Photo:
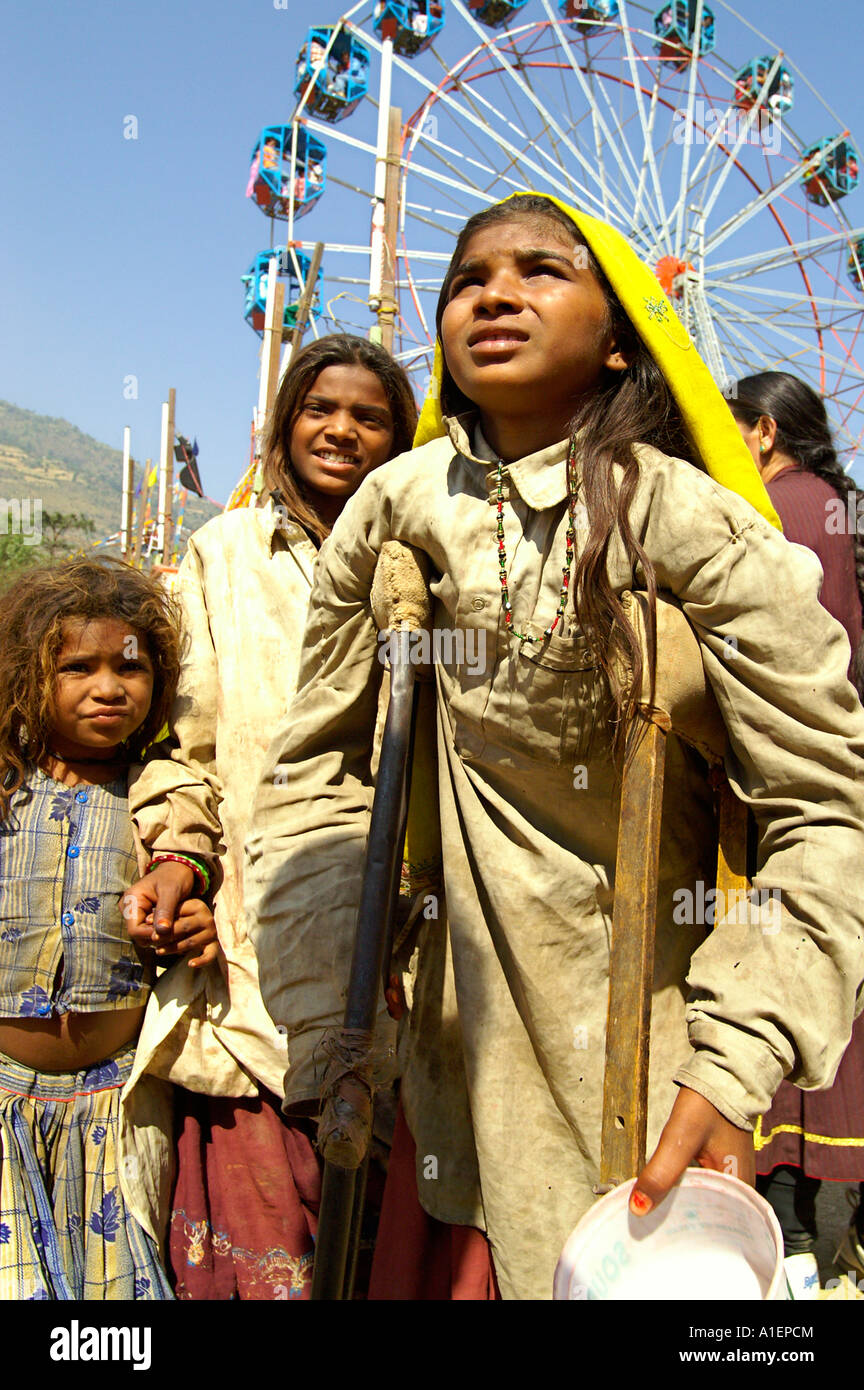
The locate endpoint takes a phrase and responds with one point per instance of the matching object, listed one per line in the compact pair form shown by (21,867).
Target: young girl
(583,451)
(89,655)
(244,1207)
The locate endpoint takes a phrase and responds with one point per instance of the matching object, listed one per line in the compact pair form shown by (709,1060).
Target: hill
(70,471)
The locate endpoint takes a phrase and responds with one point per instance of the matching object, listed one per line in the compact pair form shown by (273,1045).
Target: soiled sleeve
(175,799)
(306,847)
(776,995)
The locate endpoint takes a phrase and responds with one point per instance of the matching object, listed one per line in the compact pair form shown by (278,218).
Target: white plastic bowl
(712,1238)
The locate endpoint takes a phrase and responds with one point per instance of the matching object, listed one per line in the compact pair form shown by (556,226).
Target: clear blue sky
(122,257)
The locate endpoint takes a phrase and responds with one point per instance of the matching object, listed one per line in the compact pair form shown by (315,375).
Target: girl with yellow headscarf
(573,446)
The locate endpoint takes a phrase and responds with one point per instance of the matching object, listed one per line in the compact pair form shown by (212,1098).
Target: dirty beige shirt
(504,1053)
(244,586)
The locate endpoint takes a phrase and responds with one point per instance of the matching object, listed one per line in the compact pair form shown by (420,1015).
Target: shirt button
(73,851)
(67,919)
(43,1009)
(478,604)
(81,796)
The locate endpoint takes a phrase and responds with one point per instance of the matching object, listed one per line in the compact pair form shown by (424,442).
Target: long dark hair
(626,408)
(33,612)
(336,350)
(803,432)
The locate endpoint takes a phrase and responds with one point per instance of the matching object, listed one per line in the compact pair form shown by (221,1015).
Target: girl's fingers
(695,1131)
(190,941)
(210,952)
(173,883)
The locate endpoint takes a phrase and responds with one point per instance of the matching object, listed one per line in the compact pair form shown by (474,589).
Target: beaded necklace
(572,487)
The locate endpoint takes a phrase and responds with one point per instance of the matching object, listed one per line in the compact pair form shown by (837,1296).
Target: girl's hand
(156,898)
(195,930)
(695,1133)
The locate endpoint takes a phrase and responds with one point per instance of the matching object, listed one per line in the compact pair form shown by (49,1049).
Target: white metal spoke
(688,144)
(543,112)
(648,150)
(785,255)
(600,125)
(786,296)
(763,200)
(807,345)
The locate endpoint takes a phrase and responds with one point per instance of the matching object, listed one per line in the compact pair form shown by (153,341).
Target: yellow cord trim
(761,1141)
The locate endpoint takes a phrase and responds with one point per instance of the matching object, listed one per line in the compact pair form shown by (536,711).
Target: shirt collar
(540,478)
(273,519)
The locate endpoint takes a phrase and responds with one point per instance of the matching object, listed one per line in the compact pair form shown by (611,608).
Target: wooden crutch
(683,704)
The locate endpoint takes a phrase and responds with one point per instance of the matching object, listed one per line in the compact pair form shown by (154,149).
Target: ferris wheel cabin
(752,78)
(834,172)
(256,280)
(855,263)
(337,82)
(270,172)
(675,30)
(587,18)
(412,26)
(496,13)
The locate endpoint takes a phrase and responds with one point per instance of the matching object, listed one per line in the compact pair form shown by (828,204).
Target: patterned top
(66,856)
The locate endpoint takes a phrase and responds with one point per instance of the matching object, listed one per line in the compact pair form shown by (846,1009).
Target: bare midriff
(69,1042)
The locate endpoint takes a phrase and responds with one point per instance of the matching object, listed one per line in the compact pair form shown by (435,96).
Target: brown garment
(417,1257)
(821,1132)
(245,1208)
(814,515)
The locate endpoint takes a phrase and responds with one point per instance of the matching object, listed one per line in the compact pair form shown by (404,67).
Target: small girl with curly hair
(89,659)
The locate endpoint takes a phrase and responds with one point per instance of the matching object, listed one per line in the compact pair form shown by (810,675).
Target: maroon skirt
(821,1132)
(245,1205)
(416,1257)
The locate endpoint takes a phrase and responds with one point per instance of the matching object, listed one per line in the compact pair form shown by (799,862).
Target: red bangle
(201,875)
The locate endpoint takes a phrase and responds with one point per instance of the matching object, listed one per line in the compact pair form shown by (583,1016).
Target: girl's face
(343,431)
(526,326)
(104,685)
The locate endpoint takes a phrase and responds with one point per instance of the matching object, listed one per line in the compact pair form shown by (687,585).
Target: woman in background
(810,1135)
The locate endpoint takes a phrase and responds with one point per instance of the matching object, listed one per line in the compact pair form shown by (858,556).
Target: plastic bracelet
(199,870)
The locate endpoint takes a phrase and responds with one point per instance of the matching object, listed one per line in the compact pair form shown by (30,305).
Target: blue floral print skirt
(64,1230)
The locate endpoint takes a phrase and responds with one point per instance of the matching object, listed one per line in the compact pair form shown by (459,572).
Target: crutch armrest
(683,699)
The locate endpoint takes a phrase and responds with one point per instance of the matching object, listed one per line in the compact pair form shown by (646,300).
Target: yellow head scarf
(706,414)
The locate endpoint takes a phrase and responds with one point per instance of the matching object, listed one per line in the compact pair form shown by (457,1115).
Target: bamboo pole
(271,340)
(388,306)
(142,512)
(305,302)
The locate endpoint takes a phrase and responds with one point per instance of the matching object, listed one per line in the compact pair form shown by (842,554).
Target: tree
(55,544)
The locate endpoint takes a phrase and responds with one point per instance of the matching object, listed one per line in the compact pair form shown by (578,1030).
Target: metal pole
(377,245)
(126,502)
(343,1187)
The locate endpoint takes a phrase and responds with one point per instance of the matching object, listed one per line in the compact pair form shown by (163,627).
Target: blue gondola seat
(855,263)
(832,174)
(496,13)
(411,24)
(589,19)
(337,82)
(256,278)
(750,80)
(675,31)
(270,172)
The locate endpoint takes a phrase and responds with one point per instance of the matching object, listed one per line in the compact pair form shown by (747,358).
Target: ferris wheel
(684,126)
